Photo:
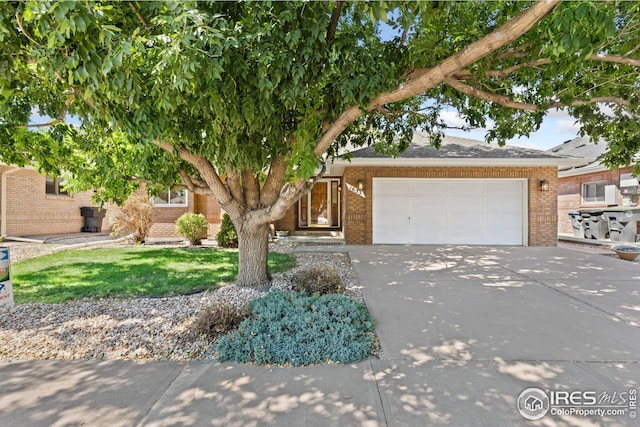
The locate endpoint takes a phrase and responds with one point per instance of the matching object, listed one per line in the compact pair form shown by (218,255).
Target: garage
(449,211)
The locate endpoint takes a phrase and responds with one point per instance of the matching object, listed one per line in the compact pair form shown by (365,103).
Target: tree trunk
(253,249)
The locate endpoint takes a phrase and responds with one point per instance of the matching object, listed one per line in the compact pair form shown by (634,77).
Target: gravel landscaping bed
(140,328)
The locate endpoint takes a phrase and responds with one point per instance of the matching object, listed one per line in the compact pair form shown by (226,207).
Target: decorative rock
(138,328)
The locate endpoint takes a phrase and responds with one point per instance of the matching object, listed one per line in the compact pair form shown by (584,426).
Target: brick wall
(290,221)
(543,205)
(570,194)
(30,211)
(165,217)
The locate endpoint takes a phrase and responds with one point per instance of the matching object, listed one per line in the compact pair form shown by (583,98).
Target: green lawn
(128,272)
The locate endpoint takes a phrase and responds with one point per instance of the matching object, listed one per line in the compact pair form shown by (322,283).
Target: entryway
(320,208)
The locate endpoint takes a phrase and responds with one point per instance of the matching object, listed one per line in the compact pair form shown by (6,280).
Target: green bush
(219,318)
(193,226)
(227,237)
(295,328)
(322,279)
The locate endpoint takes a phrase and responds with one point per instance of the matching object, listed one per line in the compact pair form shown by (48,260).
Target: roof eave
(558,162)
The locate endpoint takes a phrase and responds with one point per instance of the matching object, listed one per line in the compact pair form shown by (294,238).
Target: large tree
(246,100)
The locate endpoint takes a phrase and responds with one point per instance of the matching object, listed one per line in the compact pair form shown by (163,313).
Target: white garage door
(449,211)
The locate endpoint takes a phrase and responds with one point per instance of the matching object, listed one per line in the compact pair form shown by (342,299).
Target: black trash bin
(92,218)
(623,223)
(576,223)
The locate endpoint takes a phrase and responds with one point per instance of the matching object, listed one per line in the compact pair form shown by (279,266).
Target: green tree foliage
(245,100)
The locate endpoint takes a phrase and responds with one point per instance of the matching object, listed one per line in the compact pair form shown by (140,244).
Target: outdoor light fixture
(544,185)
(360,184)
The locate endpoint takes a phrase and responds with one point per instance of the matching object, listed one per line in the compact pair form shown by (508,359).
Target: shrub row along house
(467,192)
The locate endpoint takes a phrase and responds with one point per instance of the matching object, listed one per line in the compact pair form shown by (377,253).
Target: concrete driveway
(464,330)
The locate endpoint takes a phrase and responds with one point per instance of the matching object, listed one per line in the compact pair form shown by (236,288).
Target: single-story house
(591,185)
(32,204)
(466,192)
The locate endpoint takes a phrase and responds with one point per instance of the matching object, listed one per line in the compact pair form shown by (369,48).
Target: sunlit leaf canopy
(243,84)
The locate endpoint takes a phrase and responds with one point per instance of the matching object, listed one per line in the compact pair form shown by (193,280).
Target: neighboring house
(591,185)
(467,192)
(173,203)
(32,204)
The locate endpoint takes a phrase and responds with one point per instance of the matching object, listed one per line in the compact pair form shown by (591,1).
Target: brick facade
(357,212)
(570,194)
(290,221)
(542,215)
(30,211)
(164,220)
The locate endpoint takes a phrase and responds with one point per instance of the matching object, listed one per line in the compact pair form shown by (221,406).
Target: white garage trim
(482,211)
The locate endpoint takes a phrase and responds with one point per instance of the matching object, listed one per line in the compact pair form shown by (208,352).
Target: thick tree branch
(403,37)
(275,179)
(503,100)
(506,101)
(208,172)
(477,50)
(507,33)
(251,188)
(465,75)
(289,194)
(133,6)
(233,183)
(192,185)
(333,24)
(23,31)
(598,100)
(615,58)
(337,127)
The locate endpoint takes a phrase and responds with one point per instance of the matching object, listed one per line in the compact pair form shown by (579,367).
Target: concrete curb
(88,244)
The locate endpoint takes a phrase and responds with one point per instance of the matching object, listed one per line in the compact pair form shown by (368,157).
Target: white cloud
(451,118)
(568,126)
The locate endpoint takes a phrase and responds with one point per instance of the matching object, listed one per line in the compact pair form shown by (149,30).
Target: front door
(320,208)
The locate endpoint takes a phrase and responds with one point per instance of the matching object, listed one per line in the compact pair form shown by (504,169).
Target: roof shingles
(459,148)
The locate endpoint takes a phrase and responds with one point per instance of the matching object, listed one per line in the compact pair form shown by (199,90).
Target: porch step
(313,240)
(318,233)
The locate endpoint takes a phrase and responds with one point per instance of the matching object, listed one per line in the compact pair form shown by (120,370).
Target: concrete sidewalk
(464,331)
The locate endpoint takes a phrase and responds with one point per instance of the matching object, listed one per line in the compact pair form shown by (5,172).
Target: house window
(54,186)
(593,192)
(171,199)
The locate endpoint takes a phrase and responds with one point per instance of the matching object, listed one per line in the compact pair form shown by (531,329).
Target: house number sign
(355,190)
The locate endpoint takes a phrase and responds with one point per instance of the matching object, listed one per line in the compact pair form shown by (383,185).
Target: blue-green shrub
(298,329)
